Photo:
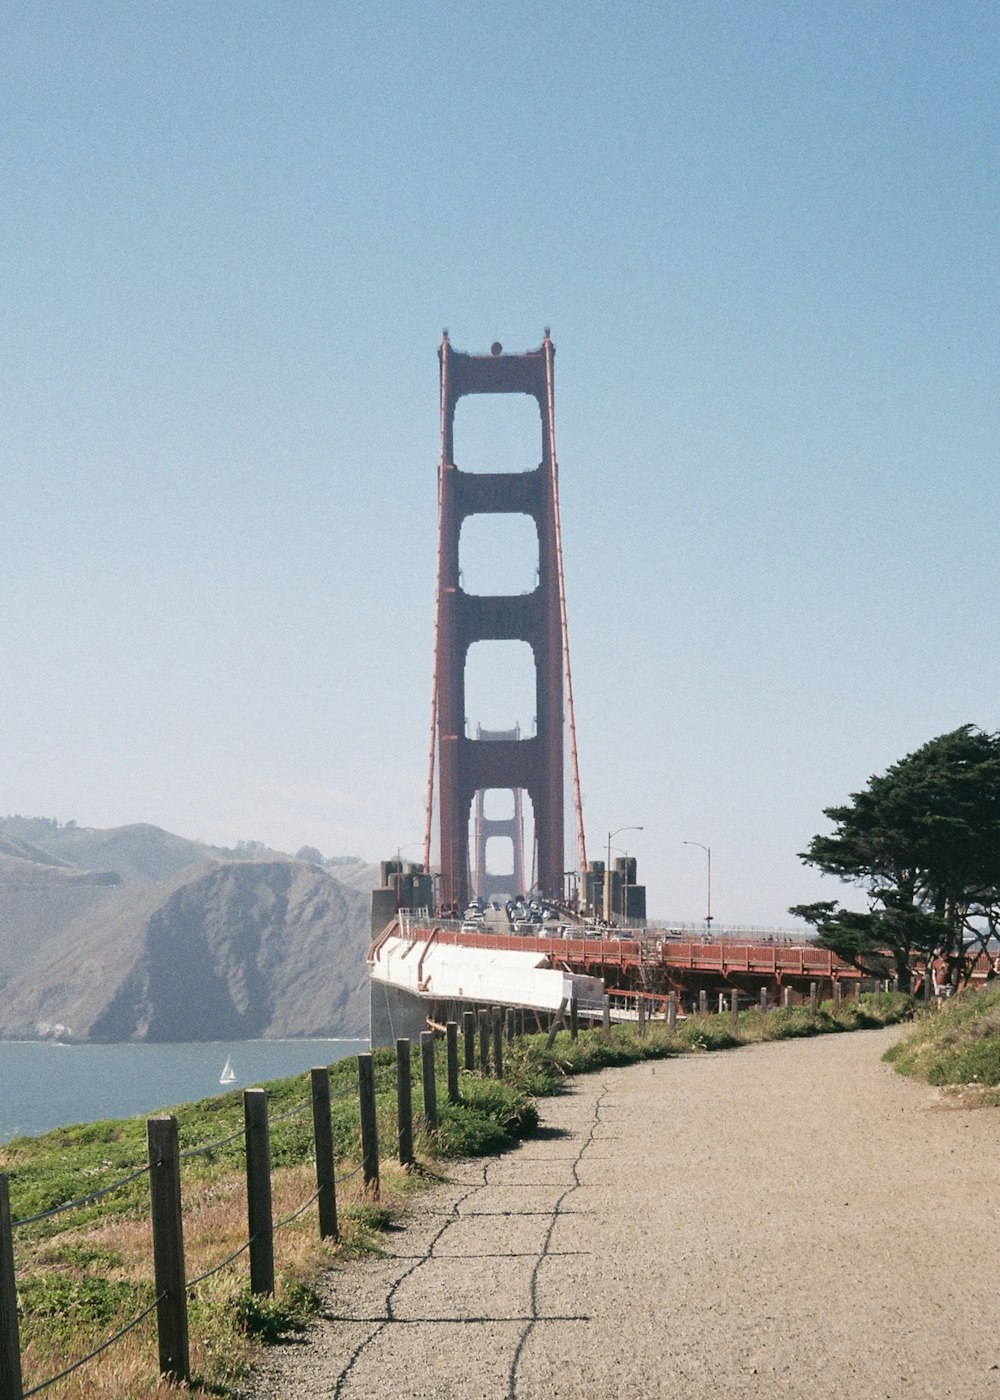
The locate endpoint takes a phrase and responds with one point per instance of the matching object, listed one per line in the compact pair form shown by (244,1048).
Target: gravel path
(785,1220)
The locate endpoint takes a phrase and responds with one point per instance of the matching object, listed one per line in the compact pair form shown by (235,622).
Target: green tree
(923,841)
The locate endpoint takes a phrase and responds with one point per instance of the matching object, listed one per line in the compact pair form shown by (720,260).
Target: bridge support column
(467,766)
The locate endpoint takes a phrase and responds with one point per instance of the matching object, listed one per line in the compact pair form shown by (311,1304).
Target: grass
(956,1046)
(84,1274)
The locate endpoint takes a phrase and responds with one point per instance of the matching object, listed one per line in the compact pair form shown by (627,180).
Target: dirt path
(790,1219)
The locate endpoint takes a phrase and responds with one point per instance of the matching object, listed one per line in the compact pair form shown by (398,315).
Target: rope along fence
(163,1167)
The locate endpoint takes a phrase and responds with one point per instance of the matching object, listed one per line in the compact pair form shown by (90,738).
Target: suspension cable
(554,469)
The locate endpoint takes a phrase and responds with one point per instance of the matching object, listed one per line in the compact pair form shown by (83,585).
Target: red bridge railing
(652,950)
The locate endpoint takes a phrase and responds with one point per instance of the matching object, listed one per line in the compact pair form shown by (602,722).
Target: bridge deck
(653,952)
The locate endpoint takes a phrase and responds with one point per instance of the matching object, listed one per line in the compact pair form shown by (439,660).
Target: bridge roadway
(658,962)
(788,1220)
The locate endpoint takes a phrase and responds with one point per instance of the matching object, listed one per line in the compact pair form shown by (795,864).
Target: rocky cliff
(169,942)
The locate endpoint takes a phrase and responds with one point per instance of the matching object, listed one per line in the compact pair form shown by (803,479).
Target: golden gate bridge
(455,933)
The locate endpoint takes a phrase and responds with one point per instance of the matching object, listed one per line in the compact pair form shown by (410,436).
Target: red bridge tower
(468,766)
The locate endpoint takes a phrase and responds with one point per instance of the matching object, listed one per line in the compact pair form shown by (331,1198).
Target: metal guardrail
(413,922)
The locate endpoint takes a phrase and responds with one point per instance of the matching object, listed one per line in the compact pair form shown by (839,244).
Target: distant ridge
(133,933)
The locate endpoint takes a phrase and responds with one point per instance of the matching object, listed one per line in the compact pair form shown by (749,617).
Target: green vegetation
(923,841)
(85,1273)
(270,1319)
(56,1304)
(957,1045)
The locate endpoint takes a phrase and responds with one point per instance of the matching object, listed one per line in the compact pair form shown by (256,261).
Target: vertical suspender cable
(553,467)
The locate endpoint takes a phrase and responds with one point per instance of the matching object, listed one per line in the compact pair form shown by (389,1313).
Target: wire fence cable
(294,1215)
(217,1268)
(81,1200)
(122,1331)
(209,1146)
(290,1112)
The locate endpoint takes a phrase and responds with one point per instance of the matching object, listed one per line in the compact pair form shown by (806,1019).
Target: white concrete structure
(408,976)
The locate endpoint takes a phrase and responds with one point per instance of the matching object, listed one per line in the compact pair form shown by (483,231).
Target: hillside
(136,934)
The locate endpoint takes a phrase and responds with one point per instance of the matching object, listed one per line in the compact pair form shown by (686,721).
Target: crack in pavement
(528,1320)
(557,1212)
(359,1350)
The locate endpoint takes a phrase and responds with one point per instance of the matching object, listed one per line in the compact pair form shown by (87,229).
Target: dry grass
(119,1251)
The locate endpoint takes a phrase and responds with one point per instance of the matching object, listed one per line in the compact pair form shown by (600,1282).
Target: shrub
(492,1114)
(959,1044)
(60,1306)
(270,1319)
(707,1033)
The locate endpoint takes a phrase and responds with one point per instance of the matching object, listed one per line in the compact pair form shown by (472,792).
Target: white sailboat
(228,1075)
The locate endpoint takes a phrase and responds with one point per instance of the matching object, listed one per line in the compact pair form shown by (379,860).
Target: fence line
(165,1157)
(172,1286)
(163,1169)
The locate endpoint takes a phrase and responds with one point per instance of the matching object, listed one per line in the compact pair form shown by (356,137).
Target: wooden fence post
(574,1018)
(10,1342)
(259,1219)
(451,1035)
(404,1103)
(168,1247)
(857,992)
(326,1181)
(497,1019)
(510,1023)
(640,1011)
(836,995)
(369,1122)
(469,1035)
(484,1043)
(722,1002)
(672,1011)
(607,1017)
(703,1002)
(788,998)
(428,1078)
(763,999)
(813,997)
(558,1020)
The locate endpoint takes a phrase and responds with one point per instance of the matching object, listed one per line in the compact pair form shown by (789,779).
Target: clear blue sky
(765,238)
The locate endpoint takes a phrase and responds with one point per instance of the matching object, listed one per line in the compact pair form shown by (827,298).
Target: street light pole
(708,852)
(607,870)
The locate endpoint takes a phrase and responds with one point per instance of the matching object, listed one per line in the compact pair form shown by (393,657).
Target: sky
(765,239)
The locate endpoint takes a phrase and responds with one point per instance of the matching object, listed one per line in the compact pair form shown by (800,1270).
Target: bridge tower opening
(469,767)
(493,830)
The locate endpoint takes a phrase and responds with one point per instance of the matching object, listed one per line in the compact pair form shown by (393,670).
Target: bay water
(45,1085)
